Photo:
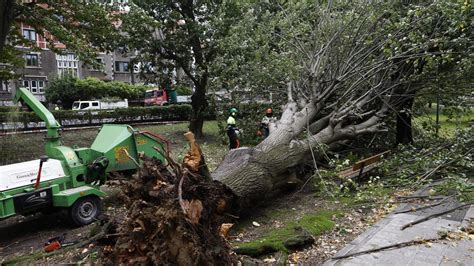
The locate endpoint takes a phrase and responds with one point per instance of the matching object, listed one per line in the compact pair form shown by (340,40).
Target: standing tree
(356,66)
(171,35)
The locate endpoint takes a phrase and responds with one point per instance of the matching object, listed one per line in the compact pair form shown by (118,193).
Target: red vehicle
(156,97)
(164,97)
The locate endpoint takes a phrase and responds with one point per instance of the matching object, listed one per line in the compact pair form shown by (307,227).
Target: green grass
(314,223)
(24,147)
(448,126)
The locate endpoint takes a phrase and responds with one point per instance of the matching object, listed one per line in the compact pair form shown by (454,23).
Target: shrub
(69,89)
(65,90)
(183,90)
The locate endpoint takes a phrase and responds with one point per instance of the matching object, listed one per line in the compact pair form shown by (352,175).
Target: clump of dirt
(174,218)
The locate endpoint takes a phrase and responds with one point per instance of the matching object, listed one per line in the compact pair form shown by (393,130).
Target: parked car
(99,105)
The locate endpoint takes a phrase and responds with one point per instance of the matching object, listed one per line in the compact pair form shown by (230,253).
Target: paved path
(387,232)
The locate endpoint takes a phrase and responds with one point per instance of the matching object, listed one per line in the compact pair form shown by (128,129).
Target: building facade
(43,65)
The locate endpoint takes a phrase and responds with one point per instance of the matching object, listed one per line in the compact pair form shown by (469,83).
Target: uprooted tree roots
(174,217)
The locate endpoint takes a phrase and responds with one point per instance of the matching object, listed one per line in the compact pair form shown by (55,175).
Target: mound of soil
(174,218)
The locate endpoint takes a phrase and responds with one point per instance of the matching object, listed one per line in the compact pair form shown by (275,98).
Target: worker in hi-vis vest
(232,130)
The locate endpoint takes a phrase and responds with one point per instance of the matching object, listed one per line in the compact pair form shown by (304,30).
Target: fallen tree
(348,87)
(357,72)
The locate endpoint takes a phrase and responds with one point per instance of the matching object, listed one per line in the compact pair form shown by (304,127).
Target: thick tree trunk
(6,17)
(254,173)
(199,104)
(404,125)
(196,124)
(404,129)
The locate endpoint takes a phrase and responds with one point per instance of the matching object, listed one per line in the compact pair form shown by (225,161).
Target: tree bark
(199,104)
(200,80)
(404,125)
(7,8)
(255,173)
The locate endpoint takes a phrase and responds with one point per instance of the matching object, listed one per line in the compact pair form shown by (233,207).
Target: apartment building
(44,65)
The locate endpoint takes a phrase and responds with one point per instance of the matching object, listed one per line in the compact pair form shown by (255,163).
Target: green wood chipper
(69,178)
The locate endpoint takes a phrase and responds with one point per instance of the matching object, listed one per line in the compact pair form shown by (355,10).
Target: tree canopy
(84,27)
(169,36)
(357,68)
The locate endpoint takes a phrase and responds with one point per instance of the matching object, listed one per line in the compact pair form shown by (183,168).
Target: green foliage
(183,90)
(452,119)
(274,43)
(13,59)
(191,31)
(350,191)
(439,34)
(69,89)
(449,161)
(4,109)
(248,119)
(457,112)
(168,35)
(64,90)
(458,185)
(257,53)
(315,223)
(85,27)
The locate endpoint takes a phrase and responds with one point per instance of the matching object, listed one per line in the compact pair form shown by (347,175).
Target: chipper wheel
(85,210)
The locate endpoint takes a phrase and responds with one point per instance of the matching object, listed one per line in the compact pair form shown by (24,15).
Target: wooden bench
(362,166)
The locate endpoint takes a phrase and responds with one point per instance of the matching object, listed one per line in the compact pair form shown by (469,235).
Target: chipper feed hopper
(68,178)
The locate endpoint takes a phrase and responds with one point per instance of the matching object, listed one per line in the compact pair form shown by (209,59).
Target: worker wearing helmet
(266,120)
(232,129)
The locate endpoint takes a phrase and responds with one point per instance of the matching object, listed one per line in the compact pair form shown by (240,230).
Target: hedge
(69,118)
(4,109)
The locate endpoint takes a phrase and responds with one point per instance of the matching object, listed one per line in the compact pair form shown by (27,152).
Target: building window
(3,86)
(40,86)
(35,85)
(67,65)
(32,60)
(99,64)
(121,66)
(29,34)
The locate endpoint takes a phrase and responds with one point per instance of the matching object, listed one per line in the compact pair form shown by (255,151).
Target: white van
(99,105)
